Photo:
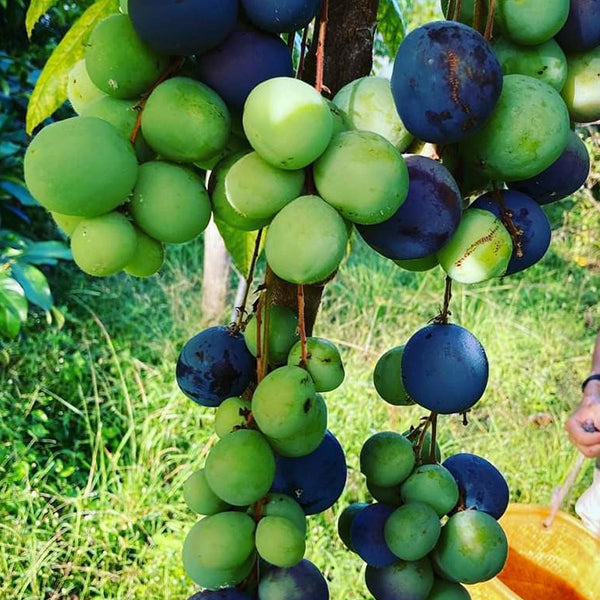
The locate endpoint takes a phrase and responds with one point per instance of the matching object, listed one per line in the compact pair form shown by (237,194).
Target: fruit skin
(279,541)
(444,56)
(419,265)
(369,105)
(66,223)
(170,203)
(562,178)
(299,582)
(387,378)
(199,497)
(323,363)
(183,28)
(526,133)
(482,485)
(386,495)
(363,176)
(117,60)
(345,521)
(214,579)
(426,220)
(445,368)
(287,122)
(582,90)
(223,594)
(446,590)
(231,414)
(240,467)
(280,505)
(104,245)
(315,481)
(214,365)
(401,581)
(433,485)
(367,535)
(80,167)
(472,548)
(281,17)
(581,32)
(387,459)
(185,121)
(80,88)
(244,60)
(306,241)
(529,218)
(148,258)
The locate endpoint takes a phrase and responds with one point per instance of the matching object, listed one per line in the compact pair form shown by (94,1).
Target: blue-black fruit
(562,178)
(214,365)
(223,594)
(529,218)
(315,481)
(245,59)
(581,32)
(482,486)
(368,537)
(446,82)
(428,218)
(445,368)
(281,16)
(183,27)
(300,582)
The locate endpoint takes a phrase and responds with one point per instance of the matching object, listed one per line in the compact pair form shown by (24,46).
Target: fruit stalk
(242,308)
(489,27)
(302,325)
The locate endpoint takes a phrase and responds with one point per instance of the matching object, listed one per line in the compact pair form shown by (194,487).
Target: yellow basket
(560,563)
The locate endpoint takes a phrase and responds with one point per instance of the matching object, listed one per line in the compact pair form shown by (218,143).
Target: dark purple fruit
(300,582)
(581,32)
(401,581)
(281,16)
(224,594)
(368,535)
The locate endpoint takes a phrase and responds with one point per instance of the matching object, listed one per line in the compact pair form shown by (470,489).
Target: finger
(579,435)
(591,451)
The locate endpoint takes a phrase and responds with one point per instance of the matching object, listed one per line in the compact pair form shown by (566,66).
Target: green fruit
(306,241)
(418,265)
(80,88)
(170,203)
(345,523)
(425,452)
(199,497)
(124,6)
(480,249)
(433,485)
(387,378)
(279,541)
(363,176)
(67,223)
(387,459)
(284,402)
(341,121)
(259,190)
(235,145)
(280,505)
(283,333)
(408,580)
(546,62)
(240,468)
(148,258)
(214,579)
(472,548)
(466,13)
(287,122)
(387,495)
(186,121)
(117,60)
(446,590)
(582,90)
(370,106)
(412,531)
(104,245)
(323,362)
(231,414)
(80,167)
(526,133)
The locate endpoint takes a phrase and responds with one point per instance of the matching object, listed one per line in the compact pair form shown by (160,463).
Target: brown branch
(321,46)
(489,27)
(457,10)
(478,15)
(242,308)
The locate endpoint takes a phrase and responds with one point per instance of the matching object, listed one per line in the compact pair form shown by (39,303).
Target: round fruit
(582,29)
(387,459)
(117,60)
(437,97)
(104,245)
(526,133)
(480,249)
(199,497)
(279,541)
(445,368)
(323,363)
(67,223)
(368,538)
(222,594)
(425,453)
(236,145)
(426,220)
(345,521)
(170,203)
(363,176)
(240,467)
(432,485)
(341,121)
(80,167)
(299,582)
(287,122)
(306,241)
(148,258)
(472,548)
(387,378)
(280,505)
(80,88)
(244,60)
(185,121)
(562,178)
(231,415)
(369,105)
(582,90)
(214,579)
(401,581)
(387,495)
(446,590)
(281,17)
(418,265)
(214,365)
(183,28)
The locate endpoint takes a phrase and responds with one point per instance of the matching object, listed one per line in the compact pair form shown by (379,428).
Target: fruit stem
(450,9)
(489,27)
(302,325)
(478,15)
(421,440)
(432,447)
(265,347)
(242,308)
(291,40)
(302,59)
(515,232)
(442,318)
(321,46)
(259,356)
(457,10)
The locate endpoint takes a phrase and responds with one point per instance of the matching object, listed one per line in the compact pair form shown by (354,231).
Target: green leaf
(240,244)
(51,87)
(36,10)
(17,189)
(391,25)
(13,307)
(42,252)
(34,284)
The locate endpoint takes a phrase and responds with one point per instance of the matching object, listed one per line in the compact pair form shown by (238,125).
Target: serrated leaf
(34,284)
(36,10)
(240,244)
(13,307)
(51,87)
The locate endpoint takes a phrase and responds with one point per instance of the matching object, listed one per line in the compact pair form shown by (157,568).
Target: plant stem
(432,446)
(515,232)
(442,318)
(321,46)
(478,15)
(242,308)
(302,59)
(302,325)
(457,10)
(489,27)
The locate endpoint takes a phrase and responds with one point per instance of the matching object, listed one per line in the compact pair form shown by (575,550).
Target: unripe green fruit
(80,88)
(323,362)
(433,485)
(80,167)
(387,495)
(287,122)
(170,203)
(67,223)
(280,505)
(425,453)
(199,497)
(231,414)
(103,245)
(363,176)
(235,145)
(387,378)
(306,241)
(117,60)
(345,523)
(582,90)
(387,459)
(341,121)
(418,265)
(213,579)
(148,258)
(480,249)
(446,590)
(279,541)
(186,121)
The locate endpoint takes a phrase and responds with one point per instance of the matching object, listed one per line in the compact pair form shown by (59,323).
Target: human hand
(584,424)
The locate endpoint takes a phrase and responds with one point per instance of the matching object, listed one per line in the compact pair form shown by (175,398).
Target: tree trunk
(215,277)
